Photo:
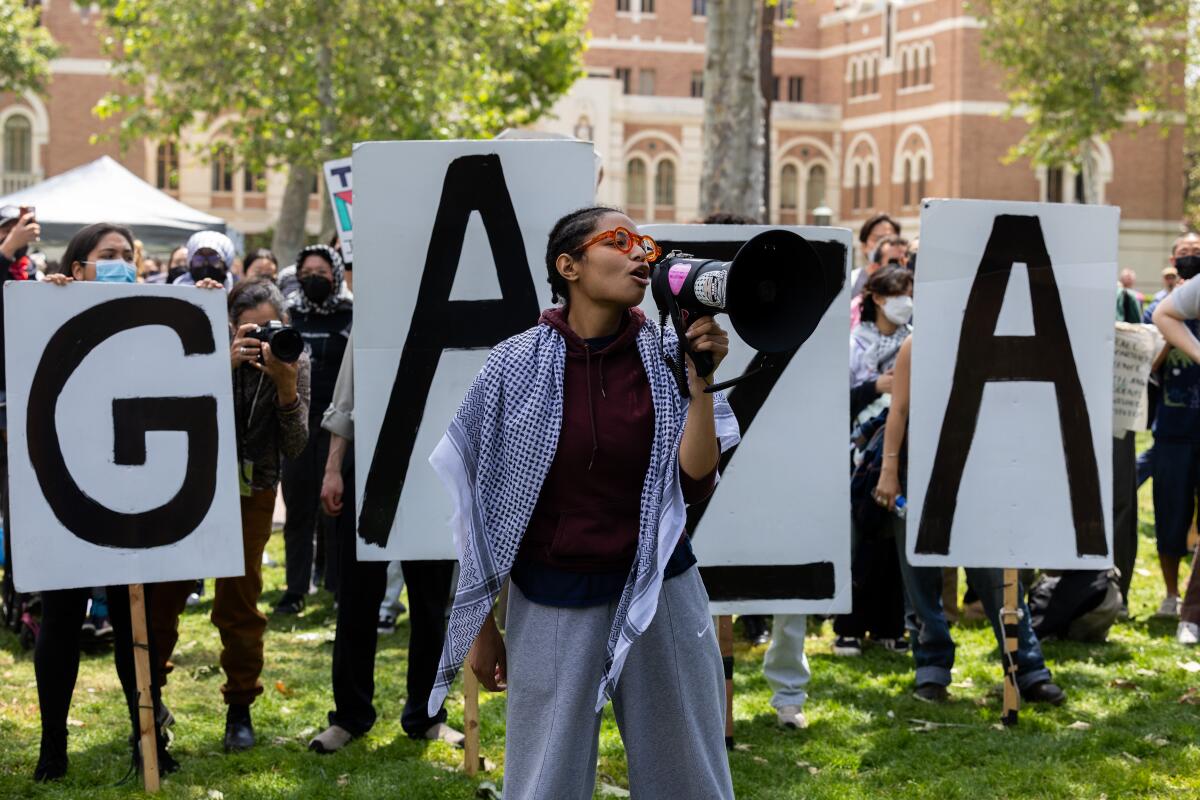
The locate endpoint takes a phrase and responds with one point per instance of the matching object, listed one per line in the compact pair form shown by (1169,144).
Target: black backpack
(1080,605)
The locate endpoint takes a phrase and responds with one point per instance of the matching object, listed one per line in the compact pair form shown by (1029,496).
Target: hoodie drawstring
(587,352)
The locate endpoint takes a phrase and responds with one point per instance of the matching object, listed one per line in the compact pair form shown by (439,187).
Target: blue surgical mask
(115,271)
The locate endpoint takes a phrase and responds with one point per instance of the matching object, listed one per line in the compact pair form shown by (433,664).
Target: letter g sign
(132,419)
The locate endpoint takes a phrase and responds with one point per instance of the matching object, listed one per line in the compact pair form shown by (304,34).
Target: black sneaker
(239,731)
(166,762)
(931,693)
(289,604)
(52,759)
(386,625)
(1044,692)
(847,646)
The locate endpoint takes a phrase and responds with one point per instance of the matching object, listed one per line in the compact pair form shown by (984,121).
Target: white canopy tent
(105,191)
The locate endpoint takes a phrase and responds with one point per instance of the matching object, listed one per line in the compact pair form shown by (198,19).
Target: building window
(624,75)
(584,131)
(699,8)
(635,184)
(889,30)
(920,179)
(904,61)
(254,182)
(855,67)
(1054,185)
(646,81)
(785,10)
(664,185)
(18,144)
(870,185)
(698,84)
(1079,195)
(907,182)
(166,167)
(789,184)
(622,5)
(929,64)
(795,89)
(222,169)
(857,187)
(814,190)
(647,6)
(875,73)
(775,89)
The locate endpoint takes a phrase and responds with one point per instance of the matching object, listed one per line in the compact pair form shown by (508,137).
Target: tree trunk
(1089,172)
(289,230)
(731,179)
(325,97)
(767,70)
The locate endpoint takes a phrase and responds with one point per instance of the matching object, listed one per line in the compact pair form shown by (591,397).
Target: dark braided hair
(567,236)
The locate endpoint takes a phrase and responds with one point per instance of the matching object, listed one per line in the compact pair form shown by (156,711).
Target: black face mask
(316,288)
(1187,266)
(912,262)
(207,271)
(175,272)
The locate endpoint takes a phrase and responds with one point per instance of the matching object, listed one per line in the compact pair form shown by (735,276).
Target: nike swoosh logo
(704,630)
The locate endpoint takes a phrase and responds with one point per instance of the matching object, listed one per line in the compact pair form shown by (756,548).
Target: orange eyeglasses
(625,239)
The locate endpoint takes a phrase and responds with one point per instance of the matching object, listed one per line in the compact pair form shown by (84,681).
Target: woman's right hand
(59,279)
(888,488)
(488,658)
(244,349)
(883,384)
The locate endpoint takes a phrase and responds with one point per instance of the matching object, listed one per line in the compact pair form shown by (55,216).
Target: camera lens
(286,344)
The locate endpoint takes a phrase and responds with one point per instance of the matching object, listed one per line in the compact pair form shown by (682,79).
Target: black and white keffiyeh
(495,457)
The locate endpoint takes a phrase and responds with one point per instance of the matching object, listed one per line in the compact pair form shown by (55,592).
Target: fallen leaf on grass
(1145,573)
(343,779)
(307,732)
(215,794)
(967,684)
(1189,666)
(1131,757)
(282,688)
(925,726)
(608,790)
(1080,725)
(308,637)
(742,747)
(1148,673)
(805,765)
(75,723)
(1191,697)
(1157,741)
(759,760)
(281,740)
(891,715)
(1122,683)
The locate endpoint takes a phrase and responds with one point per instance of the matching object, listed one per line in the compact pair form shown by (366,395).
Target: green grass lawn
(1123,733)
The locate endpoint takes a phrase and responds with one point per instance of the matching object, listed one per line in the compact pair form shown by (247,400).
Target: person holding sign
(570,461)
(271,398)
(932,645)
(100,252)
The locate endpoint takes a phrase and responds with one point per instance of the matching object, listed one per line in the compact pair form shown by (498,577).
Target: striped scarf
(496,455)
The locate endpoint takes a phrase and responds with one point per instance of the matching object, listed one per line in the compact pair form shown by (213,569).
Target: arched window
(857,186)
(875,75)
(222,168)
(254,182)
(664,184)
(18,144)
(870,185)
(907,182)
(929,64)
(920,180)
(854,78)
(166,167)
(789,181)
(814,190)
(635,183)
(904,69)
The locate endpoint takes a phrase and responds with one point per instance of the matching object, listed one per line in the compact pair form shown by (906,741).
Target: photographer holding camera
(270,399)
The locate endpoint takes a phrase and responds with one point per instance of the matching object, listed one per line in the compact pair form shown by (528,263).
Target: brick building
(877,104)
(47,135)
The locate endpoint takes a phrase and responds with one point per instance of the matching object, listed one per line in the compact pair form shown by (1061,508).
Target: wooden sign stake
(725,640)
(471,757)
(141,663)
(1009,617)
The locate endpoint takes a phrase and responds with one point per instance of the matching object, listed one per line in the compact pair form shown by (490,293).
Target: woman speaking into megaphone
(571,462)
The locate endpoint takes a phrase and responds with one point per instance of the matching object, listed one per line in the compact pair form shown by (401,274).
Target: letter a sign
(1010,428)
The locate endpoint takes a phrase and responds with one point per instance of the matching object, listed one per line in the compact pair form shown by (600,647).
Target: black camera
(286,342)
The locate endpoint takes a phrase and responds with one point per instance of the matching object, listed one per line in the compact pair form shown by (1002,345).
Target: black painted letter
(984,357)
(472,183)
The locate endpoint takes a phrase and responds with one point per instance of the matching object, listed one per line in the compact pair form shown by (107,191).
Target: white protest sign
(340,185)
(775,535)
(1010,433)
(451,240)
(122,457)
(1134,349)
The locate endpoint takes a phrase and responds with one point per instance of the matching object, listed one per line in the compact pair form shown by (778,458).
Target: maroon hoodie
(588,513)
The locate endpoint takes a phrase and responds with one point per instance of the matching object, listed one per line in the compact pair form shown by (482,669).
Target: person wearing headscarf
(322,313)
(209,255)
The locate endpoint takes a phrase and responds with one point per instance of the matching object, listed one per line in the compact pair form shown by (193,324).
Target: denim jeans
(929,633)
(785,665)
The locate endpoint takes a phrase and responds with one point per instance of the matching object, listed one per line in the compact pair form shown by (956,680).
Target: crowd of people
(589,525)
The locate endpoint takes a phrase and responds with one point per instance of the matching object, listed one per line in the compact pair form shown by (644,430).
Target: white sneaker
(443,732)
(1188,633)
(791,717)
(1170,607)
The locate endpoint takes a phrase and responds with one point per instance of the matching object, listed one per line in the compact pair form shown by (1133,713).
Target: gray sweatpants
(669,703)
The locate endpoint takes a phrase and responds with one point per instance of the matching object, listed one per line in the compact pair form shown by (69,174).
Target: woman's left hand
(706,336)
(281,372)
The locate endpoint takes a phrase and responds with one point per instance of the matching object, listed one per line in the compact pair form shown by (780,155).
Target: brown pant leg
(235,605)
(166,602)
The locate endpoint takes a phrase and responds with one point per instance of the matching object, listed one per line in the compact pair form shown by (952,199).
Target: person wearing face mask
(323,316)
(877,589)
(891,251)
(103,253)
(176,264)
(209,256)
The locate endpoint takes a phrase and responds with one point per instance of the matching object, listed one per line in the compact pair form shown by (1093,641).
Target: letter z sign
(120,432)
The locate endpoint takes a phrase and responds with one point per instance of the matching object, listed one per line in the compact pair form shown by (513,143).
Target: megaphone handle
(703,361)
